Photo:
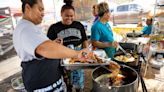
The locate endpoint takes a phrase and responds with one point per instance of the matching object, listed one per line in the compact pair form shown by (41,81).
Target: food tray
(69,66)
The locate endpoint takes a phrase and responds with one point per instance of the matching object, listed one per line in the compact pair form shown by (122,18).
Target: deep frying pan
(134,63)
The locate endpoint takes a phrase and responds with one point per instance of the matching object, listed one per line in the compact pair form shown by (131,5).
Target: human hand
(115,44)
(59,40)
(84,53)
(88,56)
(124,40)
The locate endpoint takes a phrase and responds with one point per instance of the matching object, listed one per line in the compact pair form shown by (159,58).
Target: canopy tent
(15,6)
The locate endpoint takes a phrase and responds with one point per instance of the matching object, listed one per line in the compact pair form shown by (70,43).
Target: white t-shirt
(26,38)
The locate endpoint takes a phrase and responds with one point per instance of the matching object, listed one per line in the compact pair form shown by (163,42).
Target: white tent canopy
(15,5)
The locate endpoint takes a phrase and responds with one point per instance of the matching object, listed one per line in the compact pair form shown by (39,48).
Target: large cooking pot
(130,84)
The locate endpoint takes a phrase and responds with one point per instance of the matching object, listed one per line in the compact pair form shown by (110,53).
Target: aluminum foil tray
(69,66)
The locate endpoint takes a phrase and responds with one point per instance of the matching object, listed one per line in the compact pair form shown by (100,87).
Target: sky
(17,3)
(53,6)
(49,4)
(13,3)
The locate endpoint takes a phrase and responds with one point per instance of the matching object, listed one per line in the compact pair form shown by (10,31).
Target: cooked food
(115,78)
(109,80)
(114,68)
(92,58)
(125,58)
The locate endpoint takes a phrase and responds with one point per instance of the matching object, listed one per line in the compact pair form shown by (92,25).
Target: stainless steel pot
(131,80)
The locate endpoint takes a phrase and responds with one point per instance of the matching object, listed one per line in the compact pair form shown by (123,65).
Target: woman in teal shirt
(101,32)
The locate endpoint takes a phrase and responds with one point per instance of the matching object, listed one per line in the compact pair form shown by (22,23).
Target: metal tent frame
(6,29)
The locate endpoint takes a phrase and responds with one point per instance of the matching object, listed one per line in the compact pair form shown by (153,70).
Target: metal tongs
(90,48)
(127,54)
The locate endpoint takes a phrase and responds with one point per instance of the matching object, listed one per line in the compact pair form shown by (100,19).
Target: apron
(42,75)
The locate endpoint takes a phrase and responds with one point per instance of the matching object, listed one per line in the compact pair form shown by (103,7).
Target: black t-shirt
(71,34)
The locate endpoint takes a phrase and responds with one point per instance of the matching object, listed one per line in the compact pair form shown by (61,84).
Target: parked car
(127,14)
(132,13)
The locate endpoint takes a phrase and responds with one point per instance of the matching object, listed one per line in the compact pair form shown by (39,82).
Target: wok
(132,63)
(130,48)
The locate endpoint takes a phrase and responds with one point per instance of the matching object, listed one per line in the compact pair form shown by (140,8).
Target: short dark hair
(29,2)
(68,5)
(150,19)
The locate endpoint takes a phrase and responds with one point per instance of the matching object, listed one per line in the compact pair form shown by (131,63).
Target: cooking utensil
(84,54)
(128,54)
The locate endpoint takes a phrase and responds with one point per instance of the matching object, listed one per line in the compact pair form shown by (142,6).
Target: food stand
(140,46)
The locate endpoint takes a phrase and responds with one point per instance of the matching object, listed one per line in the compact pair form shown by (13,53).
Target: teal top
(147,30)
(103,33)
